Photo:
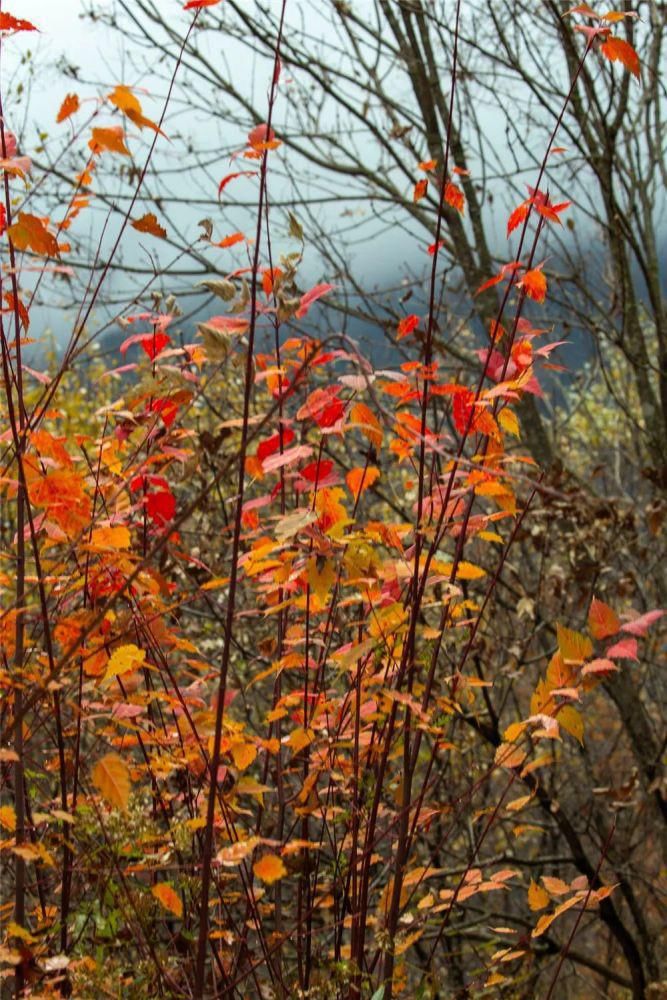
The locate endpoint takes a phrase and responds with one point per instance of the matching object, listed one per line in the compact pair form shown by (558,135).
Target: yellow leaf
(300,738)
(321,576)
(269,869)
(538,898)
(112,779)
(116,537)
(508,421)
(243,755)
(572,722)
(8,817)
(169,898)
(573,646)
(123,659)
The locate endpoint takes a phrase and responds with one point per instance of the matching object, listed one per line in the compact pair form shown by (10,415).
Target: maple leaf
(148,224)
(270,868)
(169,898)
(110,140)
(616,49)
(112,779)
(420,190)
(30,233)
(69,106)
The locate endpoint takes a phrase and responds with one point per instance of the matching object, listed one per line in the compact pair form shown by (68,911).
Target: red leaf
(407,325)
(272,444)
(626,649)
(307,300)
(322,406)
(154,343)
(198,4)
(230,177)
(315,472)
(10,23)
(161,506)
(639,626)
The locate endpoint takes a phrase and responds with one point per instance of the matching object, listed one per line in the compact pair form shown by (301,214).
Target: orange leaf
(518,215)
(30,233)
(534,284)
(538,898)
(269,869)
(230,241)
(360,479)
(68,107)
(615,49)
(169,898)
(602,620)
(198,4)
(112,779)
(148,224)
(110,140)
(454,196)
(420,189)
(369,425)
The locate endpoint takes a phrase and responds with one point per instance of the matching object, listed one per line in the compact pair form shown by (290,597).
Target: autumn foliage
(248,748)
